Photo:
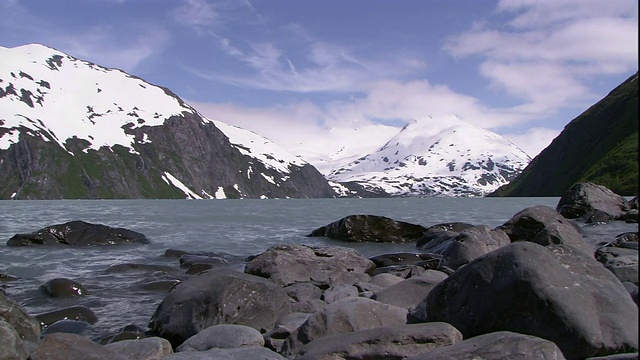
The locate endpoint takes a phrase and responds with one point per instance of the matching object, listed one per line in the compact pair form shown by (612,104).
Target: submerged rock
(78,233)
(63,288)
(372,228)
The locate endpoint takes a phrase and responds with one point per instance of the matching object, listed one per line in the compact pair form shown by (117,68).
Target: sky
(291,69)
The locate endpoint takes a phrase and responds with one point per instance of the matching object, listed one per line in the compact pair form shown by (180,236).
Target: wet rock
(64,346)
(78,233)
(503,345)
(370,228)
(403,271)
(222,336)
(7,277)
(393,342)
(343,316)
(470,243)
(556,293)
(544,226)
(63,288)
(66,326)
(218,297)
(622,262)
(444,230)
(289,264)
(188,260)
(584,199)
(132,268)
(409,293)
(160,285)
(153,348)
(78,313)
(129,332)
(19,332)
(404,258)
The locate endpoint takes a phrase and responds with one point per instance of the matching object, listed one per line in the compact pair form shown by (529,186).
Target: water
(238,228)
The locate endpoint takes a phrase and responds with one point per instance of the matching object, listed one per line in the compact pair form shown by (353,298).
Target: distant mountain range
(73,129)
(600,146)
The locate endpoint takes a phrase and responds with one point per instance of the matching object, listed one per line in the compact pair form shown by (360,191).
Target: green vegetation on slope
(600,145)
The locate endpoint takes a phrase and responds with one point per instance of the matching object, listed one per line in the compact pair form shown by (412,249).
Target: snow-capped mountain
(437,157)
(73,129)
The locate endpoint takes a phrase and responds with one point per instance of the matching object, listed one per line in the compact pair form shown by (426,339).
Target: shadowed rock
(372,228)
(78,233)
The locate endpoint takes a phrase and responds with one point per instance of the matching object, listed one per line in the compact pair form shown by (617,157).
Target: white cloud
(534,140)
(197,13)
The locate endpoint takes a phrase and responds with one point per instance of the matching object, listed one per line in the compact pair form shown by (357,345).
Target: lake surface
(235,228)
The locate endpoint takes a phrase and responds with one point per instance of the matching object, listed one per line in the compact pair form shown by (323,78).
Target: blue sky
(288,69)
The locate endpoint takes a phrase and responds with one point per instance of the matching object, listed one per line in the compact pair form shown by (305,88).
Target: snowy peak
(437,156)
(111,134)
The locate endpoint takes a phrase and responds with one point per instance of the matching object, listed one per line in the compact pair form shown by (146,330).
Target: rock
(470,243)
(583,199)
(275,338)
(633,291)
(403,271)
(308,306)
(160,285)
(218,297)
(556,293)
(437,231)
(385,280)
(19,332)
(78,233)
(409,293)
(7,277)
(627,356)
(63,288)
(63,346)
(129,332)
(78,313)
(622,262)
(372,228)
(66,326)
(288,264)
(222,336)
(346,315)
(338,292)
(502,345)
(628,240)
(393,342)
(188,260)
(153,348)
(253,352)
(404,258)
(303,291)
(544,226)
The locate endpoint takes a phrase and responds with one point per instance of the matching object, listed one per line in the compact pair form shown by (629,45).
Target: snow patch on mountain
(437,157)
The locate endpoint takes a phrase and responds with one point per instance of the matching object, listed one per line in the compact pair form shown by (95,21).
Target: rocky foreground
(531,288)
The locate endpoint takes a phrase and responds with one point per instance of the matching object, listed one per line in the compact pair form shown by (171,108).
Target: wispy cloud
(197,13)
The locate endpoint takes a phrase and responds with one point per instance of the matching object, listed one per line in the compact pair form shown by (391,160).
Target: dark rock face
(587,199)
(19,331)
(502,345)
(544,226)
(556,293)
(218,297)
(76,313)
(78,233)
(289,264)
(393,342)
(358,228)
(63,288)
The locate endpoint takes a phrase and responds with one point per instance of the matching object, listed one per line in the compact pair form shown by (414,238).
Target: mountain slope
(437,157)
(600,146)
(73,129)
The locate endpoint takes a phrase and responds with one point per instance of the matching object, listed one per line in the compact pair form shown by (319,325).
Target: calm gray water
(235,227)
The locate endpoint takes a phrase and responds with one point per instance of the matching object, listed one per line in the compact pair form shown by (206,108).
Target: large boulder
(555,292)
(219,297)
(343,316)
(544,226)
(19,331)
(443,230)
(458,249)
(502,345)
(243,353)
(585,199)
(153,348)
(289,264)
(63,288)
(393,342)
(78,233)
(372,228)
